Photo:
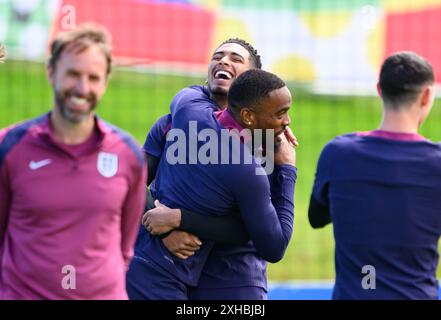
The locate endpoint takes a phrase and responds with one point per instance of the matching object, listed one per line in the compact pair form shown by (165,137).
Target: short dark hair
(251,88)
(402,78)
(83,37)
(254,56)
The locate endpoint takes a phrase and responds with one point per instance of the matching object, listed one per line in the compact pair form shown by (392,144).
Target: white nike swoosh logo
(34,165)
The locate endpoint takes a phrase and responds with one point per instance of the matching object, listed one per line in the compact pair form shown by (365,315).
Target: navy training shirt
(219,189)
(383,191)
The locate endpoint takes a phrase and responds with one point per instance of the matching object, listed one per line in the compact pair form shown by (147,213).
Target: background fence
(329,51)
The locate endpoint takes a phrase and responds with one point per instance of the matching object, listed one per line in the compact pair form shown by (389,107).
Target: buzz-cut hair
(254,56)
(251,88)
(402,77)
(80,39)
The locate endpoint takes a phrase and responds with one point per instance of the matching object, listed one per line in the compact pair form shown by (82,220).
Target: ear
(427,96)
(379,90)
(425,102)
(50,74)
(247,117)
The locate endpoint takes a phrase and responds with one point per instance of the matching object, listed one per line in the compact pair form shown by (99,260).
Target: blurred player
(71,186)
(381,190)
(2,53)
(156,274)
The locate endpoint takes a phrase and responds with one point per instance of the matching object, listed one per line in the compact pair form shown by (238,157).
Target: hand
(182,244)
(284,151)
(161,219)
(291,137)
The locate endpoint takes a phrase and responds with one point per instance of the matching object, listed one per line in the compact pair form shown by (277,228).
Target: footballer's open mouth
(223,75)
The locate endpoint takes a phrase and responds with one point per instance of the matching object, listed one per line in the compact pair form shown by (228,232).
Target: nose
(225,60)
(82,86)
(286,120)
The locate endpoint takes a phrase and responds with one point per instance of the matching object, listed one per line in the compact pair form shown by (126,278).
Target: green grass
(134,101)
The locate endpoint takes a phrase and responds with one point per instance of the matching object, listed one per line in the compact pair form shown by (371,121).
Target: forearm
(221,229)
(5,199)
(3,222)
(227,230)
(149,202)
(318,214)
(152,164)
(131,213)
(282,185)
(269,224)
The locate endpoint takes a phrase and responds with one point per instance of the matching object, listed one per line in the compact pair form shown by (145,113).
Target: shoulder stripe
(14,136)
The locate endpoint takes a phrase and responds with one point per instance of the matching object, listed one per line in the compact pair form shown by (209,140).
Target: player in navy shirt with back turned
(382,191)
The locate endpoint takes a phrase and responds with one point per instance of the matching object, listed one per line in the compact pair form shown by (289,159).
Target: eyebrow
(232,53)
(281,110)
(72,71)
